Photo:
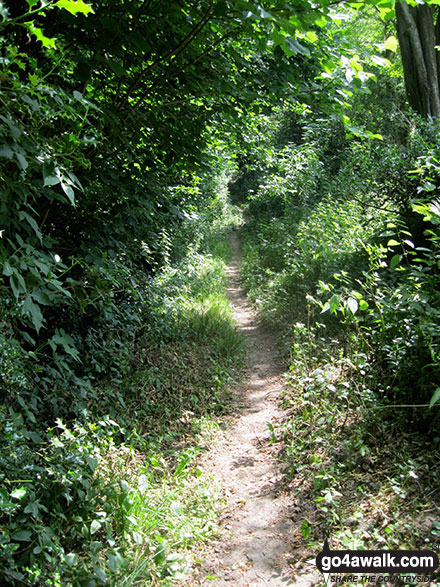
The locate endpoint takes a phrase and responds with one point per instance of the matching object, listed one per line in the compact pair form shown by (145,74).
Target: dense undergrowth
(342,257)
(105,490)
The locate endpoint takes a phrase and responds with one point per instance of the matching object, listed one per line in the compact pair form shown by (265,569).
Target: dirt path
(257,531)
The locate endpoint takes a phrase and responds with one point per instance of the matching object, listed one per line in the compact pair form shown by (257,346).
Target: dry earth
(257,531)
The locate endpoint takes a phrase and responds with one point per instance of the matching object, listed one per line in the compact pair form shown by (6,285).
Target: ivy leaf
(74,6)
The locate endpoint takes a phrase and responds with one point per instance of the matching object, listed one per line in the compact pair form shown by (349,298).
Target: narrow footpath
(256,528)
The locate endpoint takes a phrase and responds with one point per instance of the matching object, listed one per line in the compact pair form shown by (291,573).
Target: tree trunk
(417,40)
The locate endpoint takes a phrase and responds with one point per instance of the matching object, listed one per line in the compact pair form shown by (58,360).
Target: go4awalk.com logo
(376,566)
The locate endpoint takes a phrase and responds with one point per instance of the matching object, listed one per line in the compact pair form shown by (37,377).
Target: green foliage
(66,516)
(355,253)
(347,472)
(349,277)
(121,125)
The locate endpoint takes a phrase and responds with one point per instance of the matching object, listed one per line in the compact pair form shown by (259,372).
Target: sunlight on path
(257,530)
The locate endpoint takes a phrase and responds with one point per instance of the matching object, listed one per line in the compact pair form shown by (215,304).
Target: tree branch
(173,53)
(186,66)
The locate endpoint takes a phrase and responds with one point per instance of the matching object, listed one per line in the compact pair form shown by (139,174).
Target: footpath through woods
(257,531)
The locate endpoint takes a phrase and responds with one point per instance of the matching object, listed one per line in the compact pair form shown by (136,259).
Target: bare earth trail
(255,547)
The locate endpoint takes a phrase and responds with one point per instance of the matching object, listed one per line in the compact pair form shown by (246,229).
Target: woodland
(134,136)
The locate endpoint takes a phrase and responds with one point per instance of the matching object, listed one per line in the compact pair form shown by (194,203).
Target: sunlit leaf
(293,46)
(352,305)
(95,526)
(48,42)
(19,493)
(74,6)
(391,44)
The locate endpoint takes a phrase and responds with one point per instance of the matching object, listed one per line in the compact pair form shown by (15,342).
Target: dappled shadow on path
(257,531)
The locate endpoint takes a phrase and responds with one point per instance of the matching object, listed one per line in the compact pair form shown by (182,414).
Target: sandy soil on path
(257,532)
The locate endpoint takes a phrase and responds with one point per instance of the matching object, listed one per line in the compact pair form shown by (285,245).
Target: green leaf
(263,13)
(363,305)
(143,484)
(6,152)
(31,508)
(95,526)
(293,46)
(7,269)
(29,307)
(395,260)
(18,284)
(19,493)
(71,559)
(176,508)
(435,397)
(311,37)
(48,42)
(22,161)
(391,44)
(387,14)
(305,529)
(392,243)
(380,61)
(116,67)
(334,302)
(67,189)
(31,221)
(22,535)
(50,180)
(74,6)
(41,297)
(352,305)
